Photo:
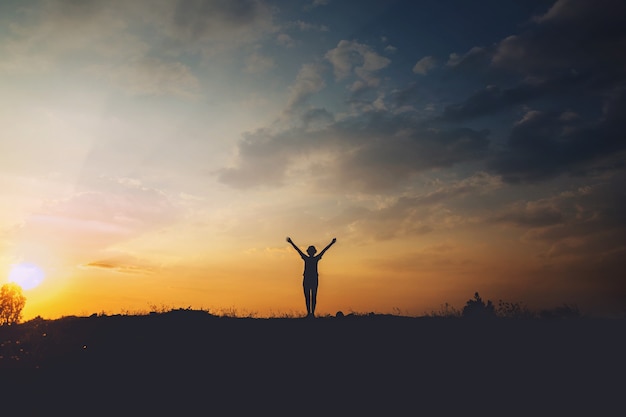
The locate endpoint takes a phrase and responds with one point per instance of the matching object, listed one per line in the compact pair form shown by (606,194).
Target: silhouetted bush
(565,311)
(446,311)
(511,310)
(477,309)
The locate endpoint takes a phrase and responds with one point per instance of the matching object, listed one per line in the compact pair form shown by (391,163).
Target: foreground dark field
(192,363)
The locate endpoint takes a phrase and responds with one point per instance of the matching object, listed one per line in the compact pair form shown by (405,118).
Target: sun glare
(26,275)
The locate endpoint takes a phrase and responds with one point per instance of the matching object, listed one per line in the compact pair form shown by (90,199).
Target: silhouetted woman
(310,280)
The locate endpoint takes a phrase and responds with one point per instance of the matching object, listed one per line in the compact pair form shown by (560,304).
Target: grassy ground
(186,362)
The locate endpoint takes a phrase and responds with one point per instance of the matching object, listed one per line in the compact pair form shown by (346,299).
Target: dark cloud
(476,57)
(574,49)
(572,35)
(263,158)
(389,158)
(571,57)
(586,222)
(317,117)
(530,215)
(416,213)
(577,236)
(494,99)
(404,96)
(544,145)
(372,152)
(589,241)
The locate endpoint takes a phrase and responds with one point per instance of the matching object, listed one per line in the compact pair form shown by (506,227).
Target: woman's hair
(311,250)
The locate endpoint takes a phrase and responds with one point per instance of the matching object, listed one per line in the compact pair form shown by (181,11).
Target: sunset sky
(159,152)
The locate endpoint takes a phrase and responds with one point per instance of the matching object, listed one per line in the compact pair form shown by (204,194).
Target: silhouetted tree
(12,301)
(476,308)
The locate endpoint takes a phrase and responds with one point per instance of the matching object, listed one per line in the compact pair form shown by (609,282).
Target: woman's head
(311,250)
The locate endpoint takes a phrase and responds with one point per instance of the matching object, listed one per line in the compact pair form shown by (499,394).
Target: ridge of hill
(359,363)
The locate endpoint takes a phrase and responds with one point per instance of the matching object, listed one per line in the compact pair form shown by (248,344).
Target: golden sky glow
(157,153)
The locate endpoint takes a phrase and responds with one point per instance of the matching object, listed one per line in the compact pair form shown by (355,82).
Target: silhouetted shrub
(477,309)
(511,310)
(446,311)
(565,311)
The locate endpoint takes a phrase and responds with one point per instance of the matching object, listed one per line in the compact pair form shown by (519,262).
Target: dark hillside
(173,363)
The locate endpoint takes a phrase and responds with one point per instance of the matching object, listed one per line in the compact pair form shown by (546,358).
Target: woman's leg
(307,299)
(313,299)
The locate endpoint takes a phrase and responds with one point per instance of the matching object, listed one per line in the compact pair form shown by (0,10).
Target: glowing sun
(26,275)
